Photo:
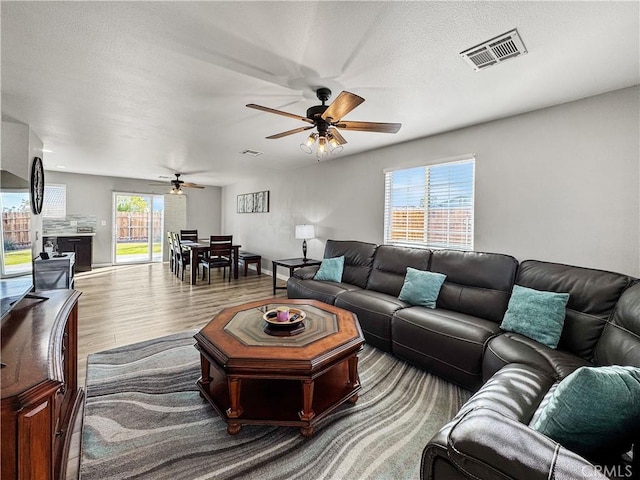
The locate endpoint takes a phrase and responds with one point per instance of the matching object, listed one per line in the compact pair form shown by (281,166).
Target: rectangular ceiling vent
(253,153)
(497,50)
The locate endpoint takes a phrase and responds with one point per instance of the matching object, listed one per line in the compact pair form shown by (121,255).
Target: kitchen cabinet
(81,245)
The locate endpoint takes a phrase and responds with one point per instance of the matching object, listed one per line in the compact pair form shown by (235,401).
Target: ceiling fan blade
(343,104)
(191,185)
(336,134)
(279,112)
(369,126)
(290,132)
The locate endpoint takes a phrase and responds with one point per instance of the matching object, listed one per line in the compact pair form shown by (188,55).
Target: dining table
(200,247)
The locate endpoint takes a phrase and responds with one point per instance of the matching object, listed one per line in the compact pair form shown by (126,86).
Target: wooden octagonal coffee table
(253,378)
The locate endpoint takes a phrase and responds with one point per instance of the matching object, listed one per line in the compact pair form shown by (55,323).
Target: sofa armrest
(486,444)
(306,273)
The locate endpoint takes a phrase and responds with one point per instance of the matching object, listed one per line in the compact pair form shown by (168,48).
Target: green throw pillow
(536,314)
(595,411)
(330,270)
(421,287)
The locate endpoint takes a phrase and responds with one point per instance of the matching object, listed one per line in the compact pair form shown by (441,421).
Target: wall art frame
(256,202)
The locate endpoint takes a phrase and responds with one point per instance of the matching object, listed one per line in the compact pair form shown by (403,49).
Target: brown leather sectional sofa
(461,341)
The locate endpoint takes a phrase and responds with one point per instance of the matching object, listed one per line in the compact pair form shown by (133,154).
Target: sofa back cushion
(620,340)
(358,259)
(592,297)
(477,283)
(390,267)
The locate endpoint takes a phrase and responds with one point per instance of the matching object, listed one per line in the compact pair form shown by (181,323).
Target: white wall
(35,150)
(559,184)
(19,147)
(92,195)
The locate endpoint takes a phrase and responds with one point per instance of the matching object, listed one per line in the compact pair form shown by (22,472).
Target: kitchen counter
(68,234)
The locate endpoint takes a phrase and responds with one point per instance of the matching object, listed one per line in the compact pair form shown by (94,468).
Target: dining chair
(190,235)
(172,252)
(182,257)
(218,255)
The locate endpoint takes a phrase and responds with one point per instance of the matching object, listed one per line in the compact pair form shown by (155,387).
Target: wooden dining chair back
(219,255)
(189,235)
(172,251)
(182,257)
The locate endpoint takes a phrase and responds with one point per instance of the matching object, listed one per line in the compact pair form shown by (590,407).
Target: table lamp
(305,232)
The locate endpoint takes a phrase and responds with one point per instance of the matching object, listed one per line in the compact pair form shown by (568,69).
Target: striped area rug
(144,419)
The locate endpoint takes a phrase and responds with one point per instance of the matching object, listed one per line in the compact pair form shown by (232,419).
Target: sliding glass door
(16,233)
(137,228)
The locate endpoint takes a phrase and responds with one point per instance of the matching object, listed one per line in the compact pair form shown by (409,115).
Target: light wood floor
(132,303)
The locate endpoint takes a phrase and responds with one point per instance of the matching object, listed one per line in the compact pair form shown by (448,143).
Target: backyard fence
(134,226)
(16,228)
(441,226)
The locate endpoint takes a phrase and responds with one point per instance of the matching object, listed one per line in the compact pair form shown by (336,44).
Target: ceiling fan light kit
(327,119)
(177,185)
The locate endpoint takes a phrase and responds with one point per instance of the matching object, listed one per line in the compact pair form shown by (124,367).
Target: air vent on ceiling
(498,49)
(253,153)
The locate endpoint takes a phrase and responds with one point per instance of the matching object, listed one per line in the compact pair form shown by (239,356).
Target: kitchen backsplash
(69,224)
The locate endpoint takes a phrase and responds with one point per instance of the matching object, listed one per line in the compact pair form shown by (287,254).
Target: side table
(291,264)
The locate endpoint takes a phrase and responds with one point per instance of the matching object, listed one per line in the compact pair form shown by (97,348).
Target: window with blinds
(54,203)
(431,206)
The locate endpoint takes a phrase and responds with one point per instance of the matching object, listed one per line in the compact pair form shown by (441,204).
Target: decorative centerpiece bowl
(284,321)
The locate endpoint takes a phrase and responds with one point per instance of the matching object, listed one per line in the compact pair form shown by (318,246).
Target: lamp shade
(305,232)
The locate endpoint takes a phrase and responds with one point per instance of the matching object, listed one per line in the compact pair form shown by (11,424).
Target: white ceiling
(143,89)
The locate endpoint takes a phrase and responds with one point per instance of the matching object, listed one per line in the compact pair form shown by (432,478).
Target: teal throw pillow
(330,270)
(595,411)
(536,314)
(421,288)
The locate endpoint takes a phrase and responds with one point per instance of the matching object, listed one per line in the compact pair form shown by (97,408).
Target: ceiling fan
(178,185)
(328,119)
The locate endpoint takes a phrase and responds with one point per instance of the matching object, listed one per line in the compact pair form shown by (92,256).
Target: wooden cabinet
(40,394)
(82,246)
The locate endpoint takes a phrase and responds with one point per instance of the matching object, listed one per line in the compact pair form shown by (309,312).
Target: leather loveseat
(461,341)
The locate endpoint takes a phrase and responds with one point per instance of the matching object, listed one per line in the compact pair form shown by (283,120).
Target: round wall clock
(37,185)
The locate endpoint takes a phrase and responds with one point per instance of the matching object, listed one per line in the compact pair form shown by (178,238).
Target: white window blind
(54,203)
(431,206)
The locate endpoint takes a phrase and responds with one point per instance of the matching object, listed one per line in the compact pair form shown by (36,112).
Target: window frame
(465,233)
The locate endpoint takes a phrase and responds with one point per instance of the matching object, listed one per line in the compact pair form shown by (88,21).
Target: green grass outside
(136,248)
(17,257)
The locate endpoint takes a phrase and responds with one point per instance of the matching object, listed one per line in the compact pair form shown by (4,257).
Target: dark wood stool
(247,258)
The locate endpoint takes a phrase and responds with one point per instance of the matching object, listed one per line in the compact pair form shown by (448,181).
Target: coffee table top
(236,340)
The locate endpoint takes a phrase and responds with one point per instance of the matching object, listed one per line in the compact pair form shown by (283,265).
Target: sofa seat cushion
(515,348)
(374,311)
(447,343)
(317,289)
